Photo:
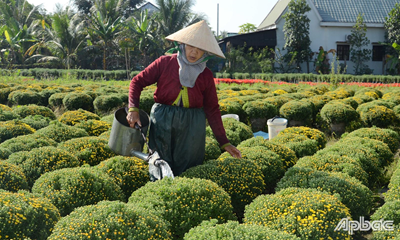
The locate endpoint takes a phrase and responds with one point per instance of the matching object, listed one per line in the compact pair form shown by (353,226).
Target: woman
(185,97)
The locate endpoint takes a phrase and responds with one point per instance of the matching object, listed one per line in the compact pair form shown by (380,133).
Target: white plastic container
(234,116)
(275,125)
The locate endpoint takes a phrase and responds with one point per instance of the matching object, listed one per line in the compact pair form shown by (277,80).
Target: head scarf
(188,72)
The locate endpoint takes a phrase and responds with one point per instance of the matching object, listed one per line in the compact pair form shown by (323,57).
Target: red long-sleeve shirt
(165,71)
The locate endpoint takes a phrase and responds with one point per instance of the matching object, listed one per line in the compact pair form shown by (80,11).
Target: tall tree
(359,54)
(64,39)
(103,31)
(15,17)
(173,15)
(392,27)
(296,30)
(247,27)
(146,40)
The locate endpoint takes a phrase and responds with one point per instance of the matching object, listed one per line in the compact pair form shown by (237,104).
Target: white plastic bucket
(275,125)
(234,116)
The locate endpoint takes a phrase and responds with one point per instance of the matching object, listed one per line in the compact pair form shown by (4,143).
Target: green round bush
(376,115)
(368,158)
(26,216)
(146,101)
(110,220)
(300,144)
(107,103)
(4,153)
(212,150)
(385,235)
(385,155)
(60,132)
(56,100)
(288,156)
(388,211)
(32,110)
(297,111)
(12,177)
(355,195)
(130,173)
(307,213)
(38,161)
(364,90)
(393,194)
(24,97)
(88,150)
(241,129)
(69,188)
(27,143)
(105,135)
(94,127)
(77,100)
(330,162)
(259,109)
(271,164)
(73,117)
(233,230)
(14,128)
(4,93)
(46,94)
(337,112)
(6,115)
(108,119)
(388,136)
(232,105)
(278,101)
(311,133)
(242,179)
(184,202)
(349,101)
(37,122)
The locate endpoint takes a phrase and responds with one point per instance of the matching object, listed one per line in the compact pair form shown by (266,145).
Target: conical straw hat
(198,35)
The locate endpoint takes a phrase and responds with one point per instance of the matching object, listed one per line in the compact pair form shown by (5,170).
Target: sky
(232,13)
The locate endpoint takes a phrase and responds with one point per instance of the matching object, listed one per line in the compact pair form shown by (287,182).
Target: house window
(378,52)
(343,52)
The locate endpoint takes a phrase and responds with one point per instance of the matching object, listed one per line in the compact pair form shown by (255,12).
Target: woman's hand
(132,118)
(233,151)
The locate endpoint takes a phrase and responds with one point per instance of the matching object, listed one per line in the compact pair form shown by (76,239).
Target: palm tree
(15,17)
(173,15)
(105,27)
(64,39)
(145,38)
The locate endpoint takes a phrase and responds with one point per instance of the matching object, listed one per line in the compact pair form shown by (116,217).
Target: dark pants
(178,135)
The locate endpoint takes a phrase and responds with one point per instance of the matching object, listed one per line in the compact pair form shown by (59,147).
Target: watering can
(128,141)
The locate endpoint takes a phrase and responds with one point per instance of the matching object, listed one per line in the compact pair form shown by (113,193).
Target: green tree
(246,28)
(296,30)
(104,28)
(173,15)
(392,27)
(64,39)
(15,17)
(146,40)
(358,41)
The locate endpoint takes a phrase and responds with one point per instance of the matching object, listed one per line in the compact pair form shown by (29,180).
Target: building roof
(346,11)
(149,6)
(270,20)
(339,11)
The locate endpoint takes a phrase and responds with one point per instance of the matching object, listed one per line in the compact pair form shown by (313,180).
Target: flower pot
(338,128)
(257,124)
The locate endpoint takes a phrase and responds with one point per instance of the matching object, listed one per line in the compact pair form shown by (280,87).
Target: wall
(327,37)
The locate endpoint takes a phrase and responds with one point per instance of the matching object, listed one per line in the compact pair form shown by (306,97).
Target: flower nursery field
(336,160)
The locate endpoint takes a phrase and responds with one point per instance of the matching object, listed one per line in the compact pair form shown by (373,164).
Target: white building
(331,21)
